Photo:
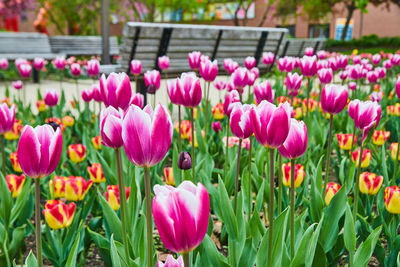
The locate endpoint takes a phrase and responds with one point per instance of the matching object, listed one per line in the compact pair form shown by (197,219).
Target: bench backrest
(81,45)
(148,41)
(25,45)
(296,47)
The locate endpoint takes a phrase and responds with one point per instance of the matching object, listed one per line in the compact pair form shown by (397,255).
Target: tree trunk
(350,10)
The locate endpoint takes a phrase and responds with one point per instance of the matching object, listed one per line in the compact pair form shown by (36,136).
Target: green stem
(148,217)
(193,155)
(206,111)
(271,206)
(122,195)
(37,224)
(280,183)
(292,203)
(226,149)
(154,100)
(3,155)
(250,180)
(308,97)
(186,259)
(179,129)
(353,136)
(356,185)
(237,175)
(248,94)
(396,161)
(328,154)
(136,87)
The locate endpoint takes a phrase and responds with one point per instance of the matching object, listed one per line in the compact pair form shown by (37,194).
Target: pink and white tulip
(250,62)
(116,90)
(293,83)
(7,118)
(75,69)
(240,122)
(163,62)
(268,58)
(171,262)
(308,66)
(87,95)
(208,70)
(137,99)
(366,114)
(17,85)
(230,66)
(59,63)
(325,75)
(220,85)
(263,91)
(230,98)
(376,59)
(296,142)
(136,67)
(334,98)
(240,78)
(309,51)
(93,68)
(51,97)
(3,63)
(38,63)
(194,59)
(190,90)
(152,80)
(111,127)
(24,70)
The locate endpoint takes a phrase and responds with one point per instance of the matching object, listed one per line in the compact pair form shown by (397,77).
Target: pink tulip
(376,97)
(355,72)
(137,99)
(365,62)
(334,98)
(395,60)
(376,59)
(352,86)
(96,93)
(343,74)
(3,63)
(263,91)
(342,61)
(368,67)
(286,64)
(322,64)
(387,64)
(20,61)
(38,63)
(240,78)
(356,60)
(309,51)
(75,69)
(7,118)
(230,66)
(321,54)
(240,120)
(51,97)
(181,215)
(136,67)
(255,71)
(250,62)
(116,90)
(268,58)
(209,70)
(333,64)
(111,127)
(230,86)
(398,87)
(39,150)
(296,142)
(171,262)
(230,98)
(87,95)
(271,124)
(325,75)
(381,72)
(163,62)
(372,76)
(190,89)
(93,67)
(25,70)
(174,92)
(146,134)
(366,114)
(194,60)
(59,63)
(17,85)
(152,80)
(308,66)
(293,83)
(220,85)
(216,126)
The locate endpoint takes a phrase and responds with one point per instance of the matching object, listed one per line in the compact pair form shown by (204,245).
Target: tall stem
(237,175)
(250,194)
(353,136)
(308,97)
(179,129)
(396,161)
(356,186)
(226,148)
(292,203)
(193,156)
(77,90)
(186,259)
(148,217)
(154,100)
(328,153)
(121,187)
(280,183)
(37,224)
(271,206)
(206,111)
(136,87)
(3,155)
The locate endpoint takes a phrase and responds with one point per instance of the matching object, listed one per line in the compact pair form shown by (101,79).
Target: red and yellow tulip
(15,131)
(169,176)
(41,106)
(365,159)
(331,190)
(58,214)
(96,173)
(297,113)
(370,183)
(76,188)
(392,199)
(59,186)
(77,152)
(15,184)
(15,162)
(393,151)
(379,137)
(186,127)
(112,196)
(312,105)
(218,111)
(345,141)
(299,174)
(96,142)
(68,121)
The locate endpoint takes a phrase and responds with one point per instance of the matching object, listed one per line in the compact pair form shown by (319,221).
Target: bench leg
(142,89)
(35,75)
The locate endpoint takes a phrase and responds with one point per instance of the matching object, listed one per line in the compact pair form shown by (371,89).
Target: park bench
(296,47)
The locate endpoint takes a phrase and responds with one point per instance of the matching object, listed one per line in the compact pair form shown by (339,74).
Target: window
(318,31)
(291,29)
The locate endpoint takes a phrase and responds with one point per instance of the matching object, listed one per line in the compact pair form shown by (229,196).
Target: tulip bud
(59,186)
(171,262)
(136,67)
(299,174)
(184,161)
(296,142)
(68,121)
(75,69)
(76,152)
(365,159)
(41,105)
(194,60)
(96,142)
(96,173)
(392,199)
(76,188)
(112,196)
(379,137)
(331,190)
(218,111)
(370,183)
(393,151)
(334,98)
(57,214)
(115,91)
(263,91)
(169,176)
(181,215)
(163,62)
(216,126)
(250,62)
(93,67)
(15,184)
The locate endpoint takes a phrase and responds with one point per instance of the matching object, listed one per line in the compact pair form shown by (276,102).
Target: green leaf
(114,254)
(228,216)
(21,201)
(316,201)
(103,244)
(108,172)
(111,217)
(301,250)
(71,261)
(365,250)
(209,254)
(312,246)
(6,200)
(31,261)
(349,232)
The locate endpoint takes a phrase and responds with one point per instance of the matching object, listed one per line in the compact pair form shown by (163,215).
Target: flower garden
(295,167)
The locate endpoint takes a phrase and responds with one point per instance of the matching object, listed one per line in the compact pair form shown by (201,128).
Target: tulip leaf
(349,232)
(108,172)
(384,166)
(113,222)
(17,237)
(114,254)
(6,200)
(21,201)
(209,254)
(200,140)
(31,261)
(365,250)
(316,202)
(103,244)
(248,255)
(301,250)
(226,209)
(312,245)
(176,171)
(71,261)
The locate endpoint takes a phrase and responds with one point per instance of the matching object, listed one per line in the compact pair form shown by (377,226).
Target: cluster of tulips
(109,175)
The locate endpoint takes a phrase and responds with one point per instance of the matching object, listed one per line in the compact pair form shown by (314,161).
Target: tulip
(96,142)
(372,76)
(325,75)
(398,87)
(24,70)
(59,63)
(218,111)
(111,127)
(376,96)
(381,72)
(112,196)
(3,63)
(296,142)
(137,99)
(253,75)
(57,214)
(76,152)
(263,91)
(152,80)
(240,120)
(366,114)
(96,93)
(395,60)
(96,173)
(163,62)
(51,97)
(41,105)
(366,157)
(171,262)
(333,64)
(75,69)
(331,190)
(309,51)
(136,67)
(392,199)
(16,129)
(230,98)
(194,60)
(387,64)
(14,162)
(286,64)
(68,121)
(334,98)
(321,54)
(393,151)
(208,70)
(216,126)
(76,188)
(220,85)
(293,83)
(343,74)
(169,176)
(250,62)
(58,190)
(184,161)
(370,183)
(87,95)
(322,64)
(345,141)
(299,174)
(308,66)
(116,90)
(17,85)
(15,184)
(181,215)
(376,59)
(379,137)
(185,128)
(174,92)
(190,88)
(7,118)
(38,63)
(268,58)
(297,113)
(230,66)
(342,61)
(93,67)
